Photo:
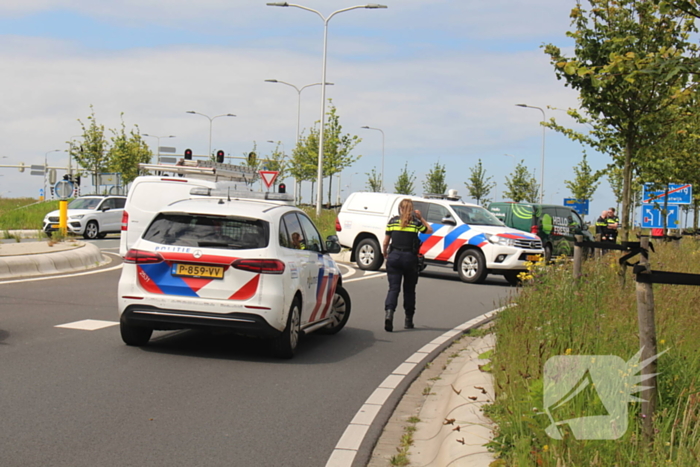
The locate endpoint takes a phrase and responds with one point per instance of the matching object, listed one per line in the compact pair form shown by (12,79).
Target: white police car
(256,266)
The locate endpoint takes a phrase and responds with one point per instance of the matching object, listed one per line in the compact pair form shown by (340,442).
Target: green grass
(325,222)
(24,213)
(555,315)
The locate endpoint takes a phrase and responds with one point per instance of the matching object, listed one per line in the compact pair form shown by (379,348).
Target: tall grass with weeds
(24,213)
(556,315)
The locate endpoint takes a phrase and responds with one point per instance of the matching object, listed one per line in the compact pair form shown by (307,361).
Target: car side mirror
(332,244)
(448,220)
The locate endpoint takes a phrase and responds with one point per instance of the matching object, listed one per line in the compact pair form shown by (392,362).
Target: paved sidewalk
(447,398)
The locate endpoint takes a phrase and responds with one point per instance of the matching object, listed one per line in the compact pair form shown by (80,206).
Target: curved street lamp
(319,175)
(158,138)
(211,120)
(544,118)
(370,128)
(296,143)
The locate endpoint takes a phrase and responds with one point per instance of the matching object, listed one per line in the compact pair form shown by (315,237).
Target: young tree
(479,185)
(404,184)
(435,180)
(127,152)
(585,182)
(521,186)
(374,182)
(91,154)
(304,163)
(337,151)
(626,72)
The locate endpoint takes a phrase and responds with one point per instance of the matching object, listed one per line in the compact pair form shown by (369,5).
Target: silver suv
(92,216)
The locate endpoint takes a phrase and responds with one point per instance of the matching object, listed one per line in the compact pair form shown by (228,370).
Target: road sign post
(578,205)
(678,193)
(652,218)
(268,177)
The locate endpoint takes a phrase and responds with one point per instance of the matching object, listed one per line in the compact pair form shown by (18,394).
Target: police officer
(613,223)
(601,226)
(400,248)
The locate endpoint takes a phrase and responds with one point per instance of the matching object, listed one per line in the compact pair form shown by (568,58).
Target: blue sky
(440,78)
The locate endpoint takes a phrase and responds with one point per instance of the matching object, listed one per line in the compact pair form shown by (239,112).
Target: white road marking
(88,324)
(345,451)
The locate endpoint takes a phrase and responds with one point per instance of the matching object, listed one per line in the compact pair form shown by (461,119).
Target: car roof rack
(204,170)
(227,190)
(450,195)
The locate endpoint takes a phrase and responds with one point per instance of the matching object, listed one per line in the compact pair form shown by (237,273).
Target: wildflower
(662,341)
(567,352)
(545,448)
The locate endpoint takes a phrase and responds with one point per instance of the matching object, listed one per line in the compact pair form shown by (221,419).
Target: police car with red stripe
(258,267)
(466,237)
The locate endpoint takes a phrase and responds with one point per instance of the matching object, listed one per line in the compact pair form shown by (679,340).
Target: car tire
(547,253)
(368,255)
(135,335)
(285,345)
(339,312)
(92,230)
(471,266)
(512,278)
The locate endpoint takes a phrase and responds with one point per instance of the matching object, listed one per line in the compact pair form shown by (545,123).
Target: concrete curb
(85,256)
(342,257)
(453,429)
(25,233)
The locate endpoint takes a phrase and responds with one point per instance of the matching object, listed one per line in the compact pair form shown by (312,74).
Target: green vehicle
(555,225)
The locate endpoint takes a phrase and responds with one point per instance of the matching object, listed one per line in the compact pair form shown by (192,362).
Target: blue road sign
(678,193)
(578,205)
(652,218)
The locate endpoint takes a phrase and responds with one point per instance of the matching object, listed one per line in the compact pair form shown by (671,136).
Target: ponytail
(406,212)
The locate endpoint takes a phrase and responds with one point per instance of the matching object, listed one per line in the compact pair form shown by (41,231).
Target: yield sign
(268,177)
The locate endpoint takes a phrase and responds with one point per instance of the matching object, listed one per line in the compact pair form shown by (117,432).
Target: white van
(466,237)
(150,193)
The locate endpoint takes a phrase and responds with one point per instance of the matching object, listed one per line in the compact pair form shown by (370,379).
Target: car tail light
(338,227)
(264,266)
(534,229)
(142,257)
(125,221)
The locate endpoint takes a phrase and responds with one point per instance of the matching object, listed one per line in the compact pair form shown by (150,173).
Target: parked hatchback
(92,216)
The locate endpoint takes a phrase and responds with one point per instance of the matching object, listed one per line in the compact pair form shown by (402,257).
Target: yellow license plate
(533,258)
(194,270)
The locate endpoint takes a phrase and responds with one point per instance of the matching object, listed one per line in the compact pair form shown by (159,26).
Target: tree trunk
(626,189)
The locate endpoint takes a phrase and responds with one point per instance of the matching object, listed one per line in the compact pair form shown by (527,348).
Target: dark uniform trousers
(402,265)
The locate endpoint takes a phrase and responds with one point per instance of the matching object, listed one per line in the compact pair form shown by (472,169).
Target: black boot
(389,320)
(408,324)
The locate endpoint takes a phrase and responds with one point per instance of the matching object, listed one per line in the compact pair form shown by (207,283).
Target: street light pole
(158,138)
(319,175)
(296,143)
(370,128)
(544,119)
(211,120)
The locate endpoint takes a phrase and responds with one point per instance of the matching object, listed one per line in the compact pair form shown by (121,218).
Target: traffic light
(219,156)
(251,157)
(76,179)
(282,188)
(66,177)
(188,154)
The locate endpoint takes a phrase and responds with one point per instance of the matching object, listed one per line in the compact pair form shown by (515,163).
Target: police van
(555,225)
(149,193)
(466,237)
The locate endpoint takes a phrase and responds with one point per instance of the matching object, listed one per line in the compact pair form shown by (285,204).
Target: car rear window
(235,233)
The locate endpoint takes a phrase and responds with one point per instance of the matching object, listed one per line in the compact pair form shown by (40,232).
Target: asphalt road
(76,397)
